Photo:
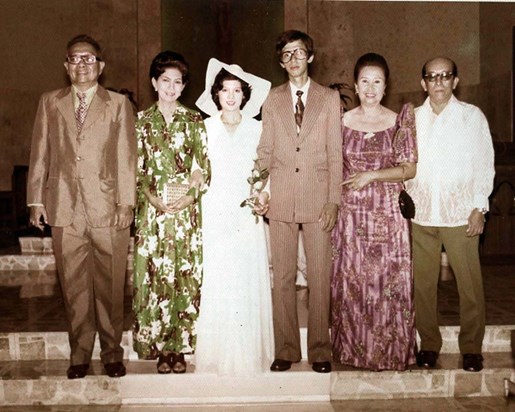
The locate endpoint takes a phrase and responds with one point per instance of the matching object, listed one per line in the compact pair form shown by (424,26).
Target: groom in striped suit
(301,147)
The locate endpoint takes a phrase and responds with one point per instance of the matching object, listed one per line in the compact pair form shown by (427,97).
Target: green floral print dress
(168,247)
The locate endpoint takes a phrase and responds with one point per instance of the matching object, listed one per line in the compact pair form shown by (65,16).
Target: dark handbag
(406,205)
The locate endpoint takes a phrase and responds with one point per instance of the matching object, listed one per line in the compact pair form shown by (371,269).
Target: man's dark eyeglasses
(443,76)
(86,58)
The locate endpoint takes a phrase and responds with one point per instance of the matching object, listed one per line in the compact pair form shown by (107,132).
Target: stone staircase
(33,368)
(33,371)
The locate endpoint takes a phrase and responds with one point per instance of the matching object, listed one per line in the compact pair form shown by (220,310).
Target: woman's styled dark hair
(371,59)
(166,60)
(218,85)
(291,36)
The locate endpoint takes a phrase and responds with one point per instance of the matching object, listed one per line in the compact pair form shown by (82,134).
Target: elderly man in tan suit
(82,181)
(301,147)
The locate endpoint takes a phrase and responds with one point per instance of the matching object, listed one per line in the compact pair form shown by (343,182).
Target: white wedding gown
(235,330)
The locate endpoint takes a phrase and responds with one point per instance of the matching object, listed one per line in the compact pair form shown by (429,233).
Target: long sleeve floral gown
(372,281)
(168,247)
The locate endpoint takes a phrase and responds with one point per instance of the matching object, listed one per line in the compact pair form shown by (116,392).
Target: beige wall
(34,34)
(496,25)
(478,36)
(405,33)
(33,43)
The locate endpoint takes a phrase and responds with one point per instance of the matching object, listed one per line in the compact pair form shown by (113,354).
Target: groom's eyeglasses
(300,54)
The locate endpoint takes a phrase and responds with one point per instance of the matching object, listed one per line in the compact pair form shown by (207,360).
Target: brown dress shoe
(77,371)
(115,369)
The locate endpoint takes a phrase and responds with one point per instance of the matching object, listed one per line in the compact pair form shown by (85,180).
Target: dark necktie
(299,109)
(82,109)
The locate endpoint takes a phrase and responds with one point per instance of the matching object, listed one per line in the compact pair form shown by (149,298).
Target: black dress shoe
(472,362)
(77,371)
(115,369)
(280,365)
(322,367)
(427,358)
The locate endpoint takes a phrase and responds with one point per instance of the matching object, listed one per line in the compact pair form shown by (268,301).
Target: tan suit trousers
(463,255)
(317,243)
(92,263)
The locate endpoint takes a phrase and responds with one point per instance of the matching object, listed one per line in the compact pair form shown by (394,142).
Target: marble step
(37,253)
(21,264)
(54,345)
(448,379)
(45,383)
(25,263)
(34,245)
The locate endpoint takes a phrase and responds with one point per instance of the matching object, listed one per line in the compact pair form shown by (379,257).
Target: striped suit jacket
(305,169)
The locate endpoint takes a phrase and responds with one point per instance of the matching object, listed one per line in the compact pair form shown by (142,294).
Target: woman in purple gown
(372,284)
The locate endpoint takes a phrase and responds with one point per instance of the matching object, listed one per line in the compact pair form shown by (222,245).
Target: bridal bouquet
(257,182)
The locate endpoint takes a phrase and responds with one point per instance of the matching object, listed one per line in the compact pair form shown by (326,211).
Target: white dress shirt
(455,168)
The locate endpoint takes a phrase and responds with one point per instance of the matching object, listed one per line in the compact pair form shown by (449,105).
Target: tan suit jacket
(100,162)
(305,169)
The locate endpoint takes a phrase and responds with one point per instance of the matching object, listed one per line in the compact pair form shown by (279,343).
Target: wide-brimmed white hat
(260,88)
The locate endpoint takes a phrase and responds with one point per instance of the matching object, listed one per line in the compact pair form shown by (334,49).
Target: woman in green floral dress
(168,246)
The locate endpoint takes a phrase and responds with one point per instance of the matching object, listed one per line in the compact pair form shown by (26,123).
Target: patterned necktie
(82,109)
(299,109)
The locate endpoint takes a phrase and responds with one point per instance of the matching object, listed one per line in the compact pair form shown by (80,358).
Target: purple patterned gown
(372,283)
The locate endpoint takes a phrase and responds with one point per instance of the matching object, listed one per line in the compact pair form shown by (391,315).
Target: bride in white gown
(234,329)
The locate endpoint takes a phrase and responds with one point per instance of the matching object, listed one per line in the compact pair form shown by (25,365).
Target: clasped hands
(174,207)
(196,180)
